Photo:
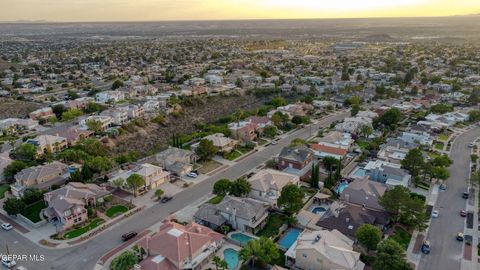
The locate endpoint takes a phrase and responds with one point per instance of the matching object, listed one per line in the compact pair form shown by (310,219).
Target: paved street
(86,255)
(446,252)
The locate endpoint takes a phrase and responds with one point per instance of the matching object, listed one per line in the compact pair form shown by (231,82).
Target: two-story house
(50,143)
(267,185)
(296,160)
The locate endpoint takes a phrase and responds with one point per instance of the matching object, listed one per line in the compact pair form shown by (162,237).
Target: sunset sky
(153,10)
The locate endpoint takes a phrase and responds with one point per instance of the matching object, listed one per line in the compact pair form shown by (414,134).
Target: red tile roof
(329,149)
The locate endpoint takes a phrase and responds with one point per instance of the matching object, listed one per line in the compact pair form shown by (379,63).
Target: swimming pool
(319,209)
(231,257)
(341,187)
(360,172)
(242,238)
(289,238)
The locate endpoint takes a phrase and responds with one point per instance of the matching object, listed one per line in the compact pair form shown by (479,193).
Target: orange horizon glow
(160,10)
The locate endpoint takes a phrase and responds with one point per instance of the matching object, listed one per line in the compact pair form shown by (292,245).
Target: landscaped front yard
(116,210)
(439,146)
(216,200)
(209,166)
(443,137)
(402,237)
(237,152)
(3,189)
(90,226)
(362,144)
(32,212)
(274,222)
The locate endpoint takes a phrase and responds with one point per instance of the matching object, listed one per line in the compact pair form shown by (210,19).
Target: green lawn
(402,237)
(3,189)
(33,211)
(77,232)
(443,137)
(433,154)
(209,166)
(216,200)
(116,210)
(274,222)
(362,144)
(233,155)
(439,146)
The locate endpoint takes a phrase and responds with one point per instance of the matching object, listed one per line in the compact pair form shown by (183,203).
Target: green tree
(58,110)
(441,173)
(441,108)
(278,101)
(366,130)
(442,161)
(118,183)
(270,131)
(391,117)
(474,115)
(99,164)
(71,114)
(315,178)
(124,261)
(413,161)
(14,206)
(355,109)
(95,126)
(72,95)
(93,107)
(32,195)
(26,151)
(206,150)
(219,263)
(393,200)
(13,168)
(134,182)
(291,199)
(262,250)
(391,256)
(414,214)
(329,163)
(222,187)
(93,147)
(117,84)
(159,193)
(369,236)
(240,187)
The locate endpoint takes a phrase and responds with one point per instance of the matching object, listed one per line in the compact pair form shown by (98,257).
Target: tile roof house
(48,143)
(267,184)
(44,113)
(176,160)
(66,205)
(323,249)
(364,192)
(244,131)
(337,139)
(154,176)
(322,151)
(297,161)
(347,218)
(74,134)
(176,247)
(42,176)
(224,144)
(244,214)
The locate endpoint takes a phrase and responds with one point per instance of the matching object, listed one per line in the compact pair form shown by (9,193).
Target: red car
(463,213)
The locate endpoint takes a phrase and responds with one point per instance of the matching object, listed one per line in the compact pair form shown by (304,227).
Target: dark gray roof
(299,154)
(395,142)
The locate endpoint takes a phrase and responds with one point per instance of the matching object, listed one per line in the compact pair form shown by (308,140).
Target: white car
(7,263)
(7,226)
(192,174)
(273,142)
(21,268)
(435,213)
(470,145)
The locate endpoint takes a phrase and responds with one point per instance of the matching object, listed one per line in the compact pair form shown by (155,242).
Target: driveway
(446,252)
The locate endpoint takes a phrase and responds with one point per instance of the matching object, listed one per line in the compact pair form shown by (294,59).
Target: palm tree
(219,263)
(261,250)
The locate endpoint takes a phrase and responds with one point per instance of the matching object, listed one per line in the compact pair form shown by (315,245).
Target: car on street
(426,247)
(435,213)
(470,145)
(129,235)
(8,263)
(273,142)
(465,195)
(463,213)
(459,236)
(443,187)
(21,268)
(166,199)
(192,174)
(7,226)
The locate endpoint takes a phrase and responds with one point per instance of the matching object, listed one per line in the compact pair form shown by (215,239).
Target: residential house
(74,134)
(297,161)
(223,144)
(337,139)
(177,161)
(347,218)
(323,249)
(118,117)
(106,121)
(322,151)
(11,126)
(178,247)
(243,214)
(154,176)
(244,131)
(323,105)
(260,121)
(67,205)
(42,176)
(364,192)
(387,173)
(42,113)
(109,96)
(395,150)
(151,106)
(417,138)
(267,185)
(50,143)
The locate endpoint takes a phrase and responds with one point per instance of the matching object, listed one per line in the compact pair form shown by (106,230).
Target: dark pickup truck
(129,235)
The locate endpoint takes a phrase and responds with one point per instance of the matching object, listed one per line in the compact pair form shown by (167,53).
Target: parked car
(7,263)
(273,143)
(192,174)
(166,199)
(470,145)
(463,213)
(7,226)
(426,247)
(129,235)
(443,187)
(21,268)
(465,195)
(460,236)
(435,213)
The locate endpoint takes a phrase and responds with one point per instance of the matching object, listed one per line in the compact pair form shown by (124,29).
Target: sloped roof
(267,179)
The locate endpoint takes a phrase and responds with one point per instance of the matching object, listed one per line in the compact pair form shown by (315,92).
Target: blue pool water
(318,209)
(242,238)
(341,187)
(360,172)
(231,257)
(289,238)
